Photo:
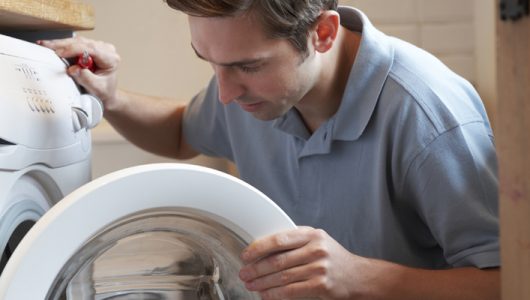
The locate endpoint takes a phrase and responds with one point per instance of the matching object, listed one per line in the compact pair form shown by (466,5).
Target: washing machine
(45,145)
(158,231)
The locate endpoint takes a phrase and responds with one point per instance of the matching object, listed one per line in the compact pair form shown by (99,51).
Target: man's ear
(325,30)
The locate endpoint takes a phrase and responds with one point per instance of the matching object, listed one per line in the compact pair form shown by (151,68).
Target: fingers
(56,44)
(85,78)
(103,82)
(287,277)
(309,252)
(62,42)
(293,264)
(69,47)
(104,54)
(298,290)
(273,263)
(280,242)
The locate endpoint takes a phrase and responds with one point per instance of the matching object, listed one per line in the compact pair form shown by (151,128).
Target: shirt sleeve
(453,185)
(204,124)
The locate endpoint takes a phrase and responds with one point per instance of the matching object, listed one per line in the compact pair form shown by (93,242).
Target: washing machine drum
(163,231)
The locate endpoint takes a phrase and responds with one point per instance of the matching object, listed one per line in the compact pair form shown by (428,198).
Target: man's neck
(323,101)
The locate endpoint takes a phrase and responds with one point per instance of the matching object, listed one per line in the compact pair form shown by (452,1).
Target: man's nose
(228,85)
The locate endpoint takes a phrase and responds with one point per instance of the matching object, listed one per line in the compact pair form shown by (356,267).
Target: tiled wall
(445,28)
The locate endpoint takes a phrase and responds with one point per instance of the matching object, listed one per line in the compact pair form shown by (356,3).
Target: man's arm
(308,263)
(153,124)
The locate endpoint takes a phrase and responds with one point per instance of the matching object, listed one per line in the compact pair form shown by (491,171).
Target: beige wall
(486,53)
(153,42)
(157,59)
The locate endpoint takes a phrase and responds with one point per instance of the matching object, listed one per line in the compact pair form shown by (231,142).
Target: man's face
(265,76)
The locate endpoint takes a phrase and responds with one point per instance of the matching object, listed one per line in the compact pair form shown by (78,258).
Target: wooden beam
(45,15)
(513,143)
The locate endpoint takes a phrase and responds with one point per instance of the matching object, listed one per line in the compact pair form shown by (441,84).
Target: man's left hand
(301,263)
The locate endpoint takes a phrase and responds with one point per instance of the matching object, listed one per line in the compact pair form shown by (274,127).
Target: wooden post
(513,143)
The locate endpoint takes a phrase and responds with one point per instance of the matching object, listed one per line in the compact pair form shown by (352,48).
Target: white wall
(153,42)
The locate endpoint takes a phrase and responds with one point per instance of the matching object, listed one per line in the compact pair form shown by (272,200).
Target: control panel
(41,107)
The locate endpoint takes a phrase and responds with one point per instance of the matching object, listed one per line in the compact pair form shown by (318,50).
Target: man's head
(266,67)
(288,19)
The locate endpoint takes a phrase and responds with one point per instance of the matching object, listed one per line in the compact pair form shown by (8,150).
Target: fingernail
(244,275)
(245,255)
(74,72)
(250,285)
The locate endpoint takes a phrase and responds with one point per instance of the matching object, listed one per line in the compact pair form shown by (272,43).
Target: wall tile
(386,11)
(407,32)
(446,10)
(448,38)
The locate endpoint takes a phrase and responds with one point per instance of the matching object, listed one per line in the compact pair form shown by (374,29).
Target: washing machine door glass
(164,231)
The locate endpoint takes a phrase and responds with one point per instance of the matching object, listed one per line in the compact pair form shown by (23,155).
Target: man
(385,153)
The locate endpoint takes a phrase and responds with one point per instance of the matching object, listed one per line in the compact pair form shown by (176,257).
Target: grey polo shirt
(405,171)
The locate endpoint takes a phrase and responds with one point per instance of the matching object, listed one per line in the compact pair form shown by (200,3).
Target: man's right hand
(103,82)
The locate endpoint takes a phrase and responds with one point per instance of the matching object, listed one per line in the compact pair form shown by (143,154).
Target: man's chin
(262,116)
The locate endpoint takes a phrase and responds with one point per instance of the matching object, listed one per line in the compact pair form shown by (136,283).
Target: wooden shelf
(45,15)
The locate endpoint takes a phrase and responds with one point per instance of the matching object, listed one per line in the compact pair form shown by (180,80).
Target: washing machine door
(162,231)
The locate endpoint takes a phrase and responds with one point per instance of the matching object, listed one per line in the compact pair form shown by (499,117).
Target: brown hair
(289,19)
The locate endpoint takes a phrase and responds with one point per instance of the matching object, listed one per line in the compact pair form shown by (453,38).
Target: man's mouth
(250,107)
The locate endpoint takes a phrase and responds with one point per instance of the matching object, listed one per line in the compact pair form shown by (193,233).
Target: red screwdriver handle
(86,61)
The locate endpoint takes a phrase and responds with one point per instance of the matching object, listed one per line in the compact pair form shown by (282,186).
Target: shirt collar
(367,76)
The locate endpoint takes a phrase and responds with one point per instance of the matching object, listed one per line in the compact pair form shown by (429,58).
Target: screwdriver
(85,61)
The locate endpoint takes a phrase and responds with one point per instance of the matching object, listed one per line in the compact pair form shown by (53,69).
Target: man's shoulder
(419,80)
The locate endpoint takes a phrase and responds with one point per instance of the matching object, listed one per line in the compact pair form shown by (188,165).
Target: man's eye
(249,69)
